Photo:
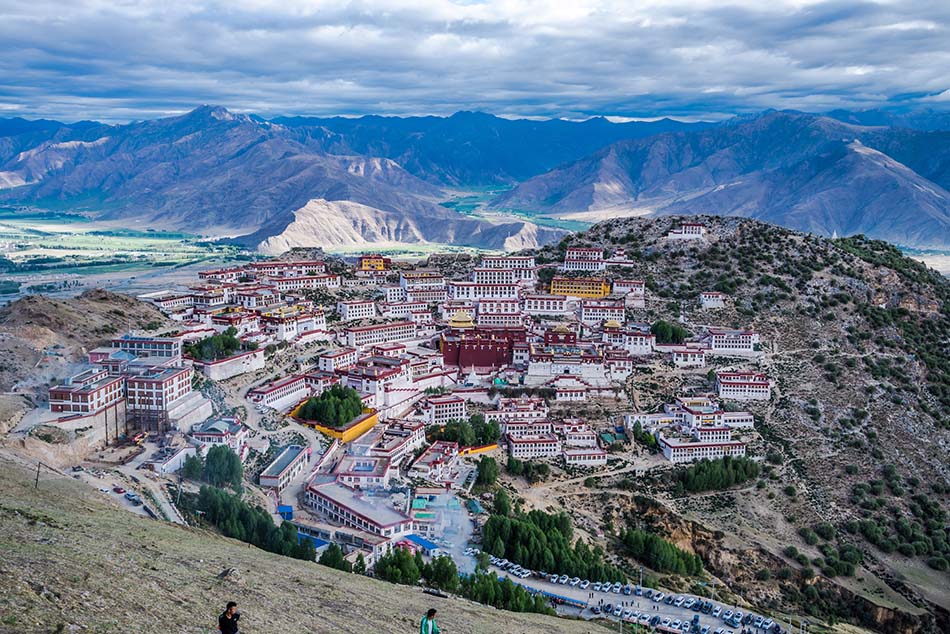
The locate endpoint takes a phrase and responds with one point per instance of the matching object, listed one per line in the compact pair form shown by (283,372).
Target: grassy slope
(70,557)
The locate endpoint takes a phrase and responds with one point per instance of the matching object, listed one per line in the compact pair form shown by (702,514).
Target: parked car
(716,611)
(665,622)
(758,622)
(658,596)
(575,581)
(727,615)
(655,620)
(118,489)
(678,601)
(686,626)
(618,610)
(627,614)
(688,603)
(768,624)
(704,630)
(596,586)
(584,584)
(669,599)
(608,608)
(617,587)
(644,618)
(553,579)
(707,607)
(595,609)
(649,593)
(563,579)
(676,624)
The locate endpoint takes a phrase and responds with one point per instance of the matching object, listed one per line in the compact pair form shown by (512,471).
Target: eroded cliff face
(735,568)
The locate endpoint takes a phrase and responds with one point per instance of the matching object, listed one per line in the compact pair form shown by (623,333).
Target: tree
(443,574)
(502,503)
(334,407)
(487,471)
(333,557)
(666,332)
(360,566)
(223,468)
(193,468)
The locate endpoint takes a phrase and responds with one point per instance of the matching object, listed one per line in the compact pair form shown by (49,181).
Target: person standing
(428,624)
(228,621)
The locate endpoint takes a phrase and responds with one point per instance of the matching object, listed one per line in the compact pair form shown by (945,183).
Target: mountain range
(801,171)
(303,181)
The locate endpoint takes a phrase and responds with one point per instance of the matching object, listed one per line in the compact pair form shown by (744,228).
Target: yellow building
(373,263)
(359,426)
(591,287)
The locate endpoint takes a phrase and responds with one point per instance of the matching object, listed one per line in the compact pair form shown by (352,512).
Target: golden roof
(611,323)
(461,319)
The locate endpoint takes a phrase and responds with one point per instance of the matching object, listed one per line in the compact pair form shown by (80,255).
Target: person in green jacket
(428,624)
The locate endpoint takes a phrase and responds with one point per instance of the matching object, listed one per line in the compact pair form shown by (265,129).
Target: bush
(714,475)
(660,554)
(825,530)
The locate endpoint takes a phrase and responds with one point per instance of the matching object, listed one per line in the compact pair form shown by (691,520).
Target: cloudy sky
(124,59)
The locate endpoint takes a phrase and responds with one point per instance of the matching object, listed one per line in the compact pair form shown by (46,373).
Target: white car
(563,579)
(688,603)
(618,610)
(675,624)
(665,622)
(617,587)
(584,584)
(644,618)
(627,614)
(717,611)
(769,623)
(575,581)
(596,587)
(658,597)
(678,602)
(553,579)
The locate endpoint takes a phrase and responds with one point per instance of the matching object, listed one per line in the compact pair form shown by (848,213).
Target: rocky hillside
(801,171)
(856,438)
(73,561)
(40,337)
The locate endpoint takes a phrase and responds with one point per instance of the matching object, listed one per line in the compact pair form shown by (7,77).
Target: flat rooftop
(377,509)
(282,461)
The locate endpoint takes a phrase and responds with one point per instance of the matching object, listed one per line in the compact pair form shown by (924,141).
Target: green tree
(333,557)
(502,503)
(193,468)
(487,471)
(223,467)
(360,566)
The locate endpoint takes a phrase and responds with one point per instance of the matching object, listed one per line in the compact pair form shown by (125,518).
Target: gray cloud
(696,58)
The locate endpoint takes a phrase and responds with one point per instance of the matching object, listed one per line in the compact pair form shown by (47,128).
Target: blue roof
(283,508)
(317,542)
(420,541)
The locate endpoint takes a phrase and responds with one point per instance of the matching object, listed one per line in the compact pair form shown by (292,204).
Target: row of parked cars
(513,569)
(730,618)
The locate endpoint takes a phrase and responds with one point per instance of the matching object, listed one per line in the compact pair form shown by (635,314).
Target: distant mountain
(215,172)
(806,172)
(926,119)
(472,148)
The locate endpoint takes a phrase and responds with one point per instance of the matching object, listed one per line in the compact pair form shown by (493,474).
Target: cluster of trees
(216,347)
(503,594)
(252,524)
(542,541)
(532,471)
(487,471)
(714,475)
(401,566)
(668,333)
(334,407)
(659,554)
(333,558)
(221,468)
(468,433)
(646,439)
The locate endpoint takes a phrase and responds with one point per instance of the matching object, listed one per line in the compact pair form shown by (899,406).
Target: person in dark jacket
(228,621)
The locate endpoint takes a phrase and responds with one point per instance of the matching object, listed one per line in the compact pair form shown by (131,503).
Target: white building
(351,310)
(495,276)
(285,467)
(743,386)
(337,359)
(688,357)
(680,451)
(633,292)
(531,447)
(726,342)
(596,311)
(688,231)
(444,408)
(545,304)
(461,291)
(370,335)
(711,299)
(585,457)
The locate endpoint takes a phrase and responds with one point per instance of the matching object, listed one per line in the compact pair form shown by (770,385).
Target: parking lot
(633,608)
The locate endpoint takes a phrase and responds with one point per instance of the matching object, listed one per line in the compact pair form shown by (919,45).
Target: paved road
(637,604)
